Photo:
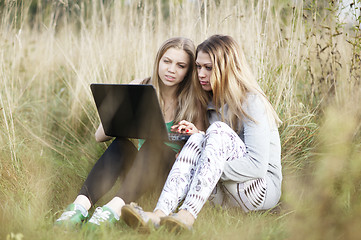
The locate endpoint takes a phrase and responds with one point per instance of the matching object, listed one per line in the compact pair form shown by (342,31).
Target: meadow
(304,57)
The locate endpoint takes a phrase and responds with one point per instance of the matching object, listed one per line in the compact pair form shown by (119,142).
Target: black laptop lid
(130,111)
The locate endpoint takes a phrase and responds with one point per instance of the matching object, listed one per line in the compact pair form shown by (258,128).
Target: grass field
(307,61)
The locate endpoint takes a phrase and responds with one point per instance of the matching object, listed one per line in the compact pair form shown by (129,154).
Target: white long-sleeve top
(262,141)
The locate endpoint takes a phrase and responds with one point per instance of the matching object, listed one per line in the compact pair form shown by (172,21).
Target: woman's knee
(122,144)
(196,137)
(217,126)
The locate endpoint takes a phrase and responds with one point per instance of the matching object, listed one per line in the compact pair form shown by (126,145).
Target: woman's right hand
(185,127)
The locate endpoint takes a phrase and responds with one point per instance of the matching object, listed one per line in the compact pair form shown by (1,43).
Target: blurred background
(305,55)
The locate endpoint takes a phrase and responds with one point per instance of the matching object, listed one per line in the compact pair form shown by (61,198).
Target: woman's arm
(100,134)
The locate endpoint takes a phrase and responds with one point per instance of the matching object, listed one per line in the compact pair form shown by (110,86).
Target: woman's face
(173,66)
(204,70)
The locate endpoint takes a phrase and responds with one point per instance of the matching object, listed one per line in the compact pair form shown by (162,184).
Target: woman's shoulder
(254,104)
(253,99)
(136,81)
(257,108)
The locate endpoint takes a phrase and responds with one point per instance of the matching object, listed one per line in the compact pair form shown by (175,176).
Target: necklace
(167,108)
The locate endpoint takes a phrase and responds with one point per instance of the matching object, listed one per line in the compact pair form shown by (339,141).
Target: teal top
(175,147)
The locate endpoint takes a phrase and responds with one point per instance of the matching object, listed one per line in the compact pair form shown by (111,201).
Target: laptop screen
(130,111)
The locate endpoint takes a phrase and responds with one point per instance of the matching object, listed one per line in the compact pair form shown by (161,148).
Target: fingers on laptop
(185,127)
(174,128)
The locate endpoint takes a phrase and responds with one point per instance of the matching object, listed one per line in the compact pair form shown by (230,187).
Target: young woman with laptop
(143,168)
(236,162)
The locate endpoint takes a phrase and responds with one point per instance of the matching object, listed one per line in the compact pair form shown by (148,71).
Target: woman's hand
(185,127)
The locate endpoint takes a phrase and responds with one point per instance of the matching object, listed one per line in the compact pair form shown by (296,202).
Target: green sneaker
(72,216)
(102,216)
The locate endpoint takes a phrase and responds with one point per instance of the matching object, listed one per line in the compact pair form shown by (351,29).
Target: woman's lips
(169,78)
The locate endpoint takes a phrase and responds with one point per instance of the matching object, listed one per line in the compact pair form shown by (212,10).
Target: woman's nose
(171,68)
(201,73)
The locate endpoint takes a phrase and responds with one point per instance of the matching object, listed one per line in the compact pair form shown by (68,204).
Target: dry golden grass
(305,61)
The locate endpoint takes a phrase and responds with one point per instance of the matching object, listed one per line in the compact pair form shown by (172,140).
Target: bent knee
(196,137)
(219,126)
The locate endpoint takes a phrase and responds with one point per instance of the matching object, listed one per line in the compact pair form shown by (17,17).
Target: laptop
(131,111)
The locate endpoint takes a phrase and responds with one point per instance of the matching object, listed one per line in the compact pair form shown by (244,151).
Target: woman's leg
(256,194)
(152,161)
(149,169)
(112,164)
(221,144)
(217,197)
(193,177)
(180,176)
(100,180)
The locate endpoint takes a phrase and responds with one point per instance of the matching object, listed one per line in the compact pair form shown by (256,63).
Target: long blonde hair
(232,79)
(188,91)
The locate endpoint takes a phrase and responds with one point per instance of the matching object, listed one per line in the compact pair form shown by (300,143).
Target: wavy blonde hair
(189,91)
(232,79)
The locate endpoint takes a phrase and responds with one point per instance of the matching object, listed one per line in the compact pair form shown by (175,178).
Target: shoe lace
(100,216)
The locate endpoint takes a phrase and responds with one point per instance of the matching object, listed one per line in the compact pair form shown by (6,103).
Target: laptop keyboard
(174,136)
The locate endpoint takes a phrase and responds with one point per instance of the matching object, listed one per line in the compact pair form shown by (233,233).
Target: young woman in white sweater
(237,161)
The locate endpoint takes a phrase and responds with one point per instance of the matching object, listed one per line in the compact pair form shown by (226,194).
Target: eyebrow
(204,63)
(173,60)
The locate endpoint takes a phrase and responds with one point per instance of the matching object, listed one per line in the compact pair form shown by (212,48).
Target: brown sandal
(174,224)
(135,217)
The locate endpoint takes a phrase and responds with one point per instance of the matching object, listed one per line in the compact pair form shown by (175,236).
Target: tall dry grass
(305,60)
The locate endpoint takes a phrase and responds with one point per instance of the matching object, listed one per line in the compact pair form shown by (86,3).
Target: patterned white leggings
(198,169)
